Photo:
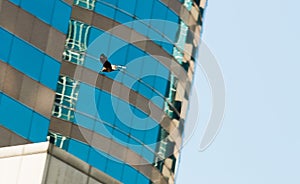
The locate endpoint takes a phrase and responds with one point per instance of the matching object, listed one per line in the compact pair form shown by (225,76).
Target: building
(52,165)
(127,124)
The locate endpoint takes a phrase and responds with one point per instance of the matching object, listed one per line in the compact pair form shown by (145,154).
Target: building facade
(127,123)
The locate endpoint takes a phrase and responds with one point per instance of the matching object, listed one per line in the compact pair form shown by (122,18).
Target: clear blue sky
(256,43)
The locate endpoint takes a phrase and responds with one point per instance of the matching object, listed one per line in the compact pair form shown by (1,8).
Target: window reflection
(65,98)
(76,42)
(87,4)
(58,140)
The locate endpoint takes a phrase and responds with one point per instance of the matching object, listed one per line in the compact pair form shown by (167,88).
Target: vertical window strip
(76,43)
(87,4)
(66,98)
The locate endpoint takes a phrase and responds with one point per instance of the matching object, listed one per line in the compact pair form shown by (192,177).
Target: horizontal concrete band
(22,88)
(9,138)
(108,146)
(131,36)
(33,30)
(117,89)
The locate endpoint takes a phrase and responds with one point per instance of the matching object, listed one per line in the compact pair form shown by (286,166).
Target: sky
(256,44)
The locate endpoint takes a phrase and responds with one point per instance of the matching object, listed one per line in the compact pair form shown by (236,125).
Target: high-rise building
(126,123)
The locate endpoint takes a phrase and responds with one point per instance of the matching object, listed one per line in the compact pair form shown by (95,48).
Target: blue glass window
(123,17)
(58,140)
(39,128)
(78,149)
(120,137)
(65,98)
(145,91)
(119,56)
(151,134)
(111,2)
(121,125)
(141,179)
(19,123)
(41,9)
(5,44)
(159,10)
(127,6)
(148,155)
(16,2)
(103,129)
(114,168)
(106,10)
(84,121)
(76,42)
(61,16)
(32,63)
(105,108)
(94,34)
(141,27)
(87,4)
(98,159)
(129,175)
(86,100)
(145,9)
(134,53)
(50,72)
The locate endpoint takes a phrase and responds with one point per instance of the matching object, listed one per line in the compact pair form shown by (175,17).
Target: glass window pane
(50,72)
(41,9)
(97,159)
(5,44)
(87,4)
(29,60)
(78,149)
(76,42)
(114,168)
(39,128)
(66,98)
(145,9)
(105,9)
(20,123)
(61,16)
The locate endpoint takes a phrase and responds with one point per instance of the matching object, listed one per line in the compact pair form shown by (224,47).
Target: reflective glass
(87,4)
(159,10)
(145,9)
(114,168)
(141,179)
(61,16)
(103,128)
(16,2)
(58,140)
(105,108)
(111,2)
(42,9)
(84,121)
(39,128)
(29,59)
(105,9)
(120,137)
(65,98)
(19,123)
(78,149)
(94,33)
(129,175)
(50,72)
(97,159)
(76,42)
(122,17)
(127,6)
(5,44)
